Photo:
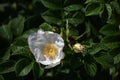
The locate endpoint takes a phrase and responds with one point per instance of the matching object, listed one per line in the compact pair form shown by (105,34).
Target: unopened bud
(78,47)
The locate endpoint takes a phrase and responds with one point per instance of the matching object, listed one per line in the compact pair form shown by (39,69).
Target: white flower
(47,47)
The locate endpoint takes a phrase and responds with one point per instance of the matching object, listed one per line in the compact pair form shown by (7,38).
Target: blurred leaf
(21,50)
(6,55)
(23,67)
(91,1)
(5,32)
(112,20)
(109,9)
(52,17)
(112,70)
(74,32)
(7,66)
(91,69)
(93,9)
(46,27)
(20,41)
(51,4)
(17,25)
(76,19)
(116,6)
(96,48)
(2,6)
(110,42)
(29,32)
(117,58)
(1,77)
(37,70)
(73,7)
(110,30)
(105,60)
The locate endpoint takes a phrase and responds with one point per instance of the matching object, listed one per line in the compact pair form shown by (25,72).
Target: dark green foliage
(93,23)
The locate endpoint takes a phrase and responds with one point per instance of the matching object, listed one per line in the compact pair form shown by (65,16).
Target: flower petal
(52,65)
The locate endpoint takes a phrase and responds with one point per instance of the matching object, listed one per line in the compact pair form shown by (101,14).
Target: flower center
(50,50)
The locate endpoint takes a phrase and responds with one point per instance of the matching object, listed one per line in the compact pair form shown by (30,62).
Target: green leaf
(93,9)
(117,58)
(6,56)
(46,27)
(110,42)
(112,70)
(110,30)
(17,25)
(2,6)
(74,21)
(20,41)
(91,69)
(51,4)
(116,6)
(104,59)
(74,32)
(7,66)
(26,34)
(37,70)
(52,20)
(96,48)
(76,18)
(21,50)
(23,67)
(73,7)
(92,1)
(1,77)
(5,32)
(109,9)
(52,17)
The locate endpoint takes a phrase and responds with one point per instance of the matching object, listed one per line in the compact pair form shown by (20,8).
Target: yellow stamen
(50,50)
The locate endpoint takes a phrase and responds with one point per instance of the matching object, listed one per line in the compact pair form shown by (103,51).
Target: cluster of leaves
(93,23)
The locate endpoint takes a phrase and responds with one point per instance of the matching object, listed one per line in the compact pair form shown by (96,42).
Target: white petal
(52,65)
(59,42)
(41,31)
(61,55)
(38,55)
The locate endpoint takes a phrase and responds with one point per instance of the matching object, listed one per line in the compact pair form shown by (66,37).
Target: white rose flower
(47,47)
